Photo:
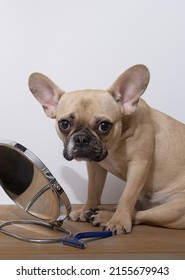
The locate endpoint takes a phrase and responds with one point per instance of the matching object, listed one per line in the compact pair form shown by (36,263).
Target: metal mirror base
(34,240)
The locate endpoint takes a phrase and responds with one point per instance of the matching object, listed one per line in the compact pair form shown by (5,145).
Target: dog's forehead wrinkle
(87,108)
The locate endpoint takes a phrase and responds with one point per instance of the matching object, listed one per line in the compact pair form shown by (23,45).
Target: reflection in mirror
(29,183)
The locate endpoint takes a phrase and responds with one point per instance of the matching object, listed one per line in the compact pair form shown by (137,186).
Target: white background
(85,44)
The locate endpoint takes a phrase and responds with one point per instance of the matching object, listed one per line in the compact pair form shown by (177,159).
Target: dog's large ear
(129,86)
(46,92)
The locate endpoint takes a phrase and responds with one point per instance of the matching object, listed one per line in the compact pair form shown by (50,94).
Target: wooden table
(145,242)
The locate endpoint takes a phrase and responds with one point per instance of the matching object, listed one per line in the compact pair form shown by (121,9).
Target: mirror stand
(38,223)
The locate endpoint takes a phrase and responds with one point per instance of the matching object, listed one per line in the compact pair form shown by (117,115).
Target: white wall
(85,44)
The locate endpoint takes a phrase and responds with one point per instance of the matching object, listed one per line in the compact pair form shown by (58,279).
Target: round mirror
(29,183)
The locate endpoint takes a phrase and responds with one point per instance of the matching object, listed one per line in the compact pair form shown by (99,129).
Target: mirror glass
(30,184)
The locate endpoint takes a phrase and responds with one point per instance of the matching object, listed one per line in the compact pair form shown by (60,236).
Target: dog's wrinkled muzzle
(83,145)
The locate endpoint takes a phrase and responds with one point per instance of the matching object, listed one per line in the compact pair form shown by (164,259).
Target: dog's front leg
(96,180)
(121,221)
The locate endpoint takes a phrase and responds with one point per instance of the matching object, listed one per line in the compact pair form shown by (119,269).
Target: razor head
(74,242)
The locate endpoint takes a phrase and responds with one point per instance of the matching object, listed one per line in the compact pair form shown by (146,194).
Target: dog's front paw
(78,215)
(83,214)
(99,217)
(119,224)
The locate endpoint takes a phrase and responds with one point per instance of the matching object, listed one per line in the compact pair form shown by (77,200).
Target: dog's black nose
(81,139)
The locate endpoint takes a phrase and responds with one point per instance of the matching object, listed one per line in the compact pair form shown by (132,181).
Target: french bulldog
(115,131)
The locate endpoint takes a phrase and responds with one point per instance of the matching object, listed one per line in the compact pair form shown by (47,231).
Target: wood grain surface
(145,242)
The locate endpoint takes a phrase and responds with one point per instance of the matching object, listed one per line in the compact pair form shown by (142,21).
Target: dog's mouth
(83,145)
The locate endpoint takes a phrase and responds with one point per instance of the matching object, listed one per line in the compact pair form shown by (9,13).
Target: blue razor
(76,241)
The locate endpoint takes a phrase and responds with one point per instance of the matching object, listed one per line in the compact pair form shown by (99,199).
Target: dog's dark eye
(104,126)
(64,125)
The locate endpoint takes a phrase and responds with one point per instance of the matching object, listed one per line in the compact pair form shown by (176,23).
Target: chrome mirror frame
(61,203)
